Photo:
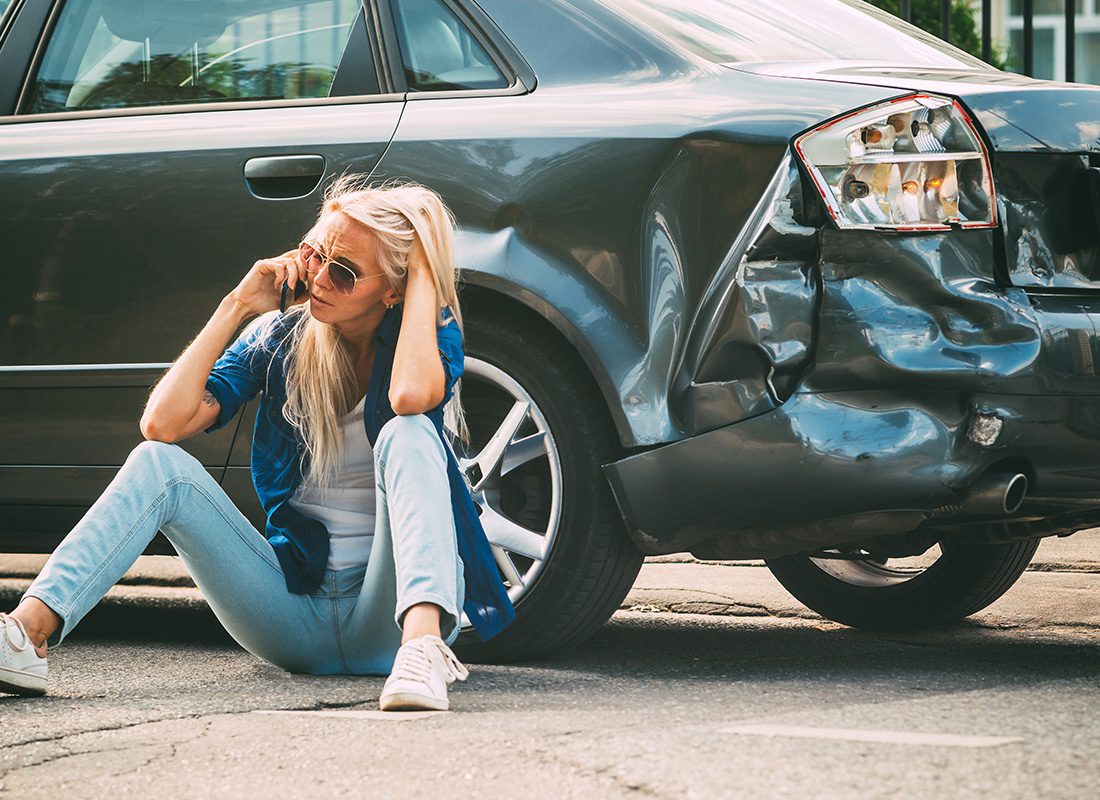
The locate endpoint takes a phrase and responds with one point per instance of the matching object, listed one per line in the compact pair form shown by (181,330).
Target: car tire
(965,579)
(591,564)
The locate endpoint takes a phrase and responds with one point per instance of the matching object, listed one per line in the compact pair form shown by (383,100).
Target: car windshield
(793,30)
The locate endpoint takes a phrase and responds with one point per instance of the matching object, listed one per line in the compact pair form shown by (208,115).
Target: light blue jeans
(350,625)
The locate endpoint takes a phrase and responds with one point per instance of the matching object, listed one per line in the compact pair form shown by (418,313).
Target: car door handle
(283,177)
(256,169)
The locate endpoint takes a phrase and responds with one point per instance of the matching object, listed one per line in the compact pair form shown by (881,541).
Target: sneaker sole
(21,682)
(409,701)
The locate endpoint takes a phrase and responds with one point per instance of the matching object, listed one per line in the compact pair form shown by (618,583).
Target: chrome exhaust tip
(998,494)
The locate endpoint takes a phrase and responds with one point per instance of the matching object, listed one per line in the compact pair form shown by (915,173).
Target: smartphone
(284,298)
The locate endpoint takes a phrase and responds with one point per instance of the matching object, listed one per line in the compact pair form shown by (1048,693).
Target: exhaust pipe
(997,494)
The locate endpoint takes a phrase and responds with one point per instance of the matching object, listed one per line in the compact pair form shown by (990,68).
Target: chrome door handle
(283,177)
(284,167)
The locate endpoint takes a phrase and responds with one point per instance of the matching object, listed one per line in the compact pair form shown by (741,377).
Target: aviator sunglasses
(342,276)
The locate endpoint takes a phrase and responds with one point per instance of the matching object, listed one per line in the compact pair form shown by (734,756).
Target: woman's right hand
(259,291)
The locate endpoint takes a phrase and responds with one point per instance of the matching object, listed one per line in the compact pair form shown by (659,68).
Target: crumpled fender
(750,338)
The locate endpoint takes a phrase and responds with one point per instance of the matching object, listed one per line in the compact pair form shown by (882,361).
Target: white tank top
(346,509)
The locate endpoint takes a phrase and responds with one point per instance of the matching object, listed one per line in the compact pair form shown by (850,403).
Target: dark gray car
(746,278)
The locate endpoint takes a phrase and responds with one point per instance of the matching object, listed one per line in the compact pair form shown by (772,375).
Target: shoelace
(7,622)
(414,659)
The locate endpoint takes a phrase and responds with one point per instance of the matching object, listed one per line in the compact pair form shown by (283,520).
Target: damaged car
(750,279)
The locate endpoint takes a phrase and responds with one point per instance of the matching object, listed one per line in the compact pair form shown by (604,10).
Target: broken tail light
(913,164)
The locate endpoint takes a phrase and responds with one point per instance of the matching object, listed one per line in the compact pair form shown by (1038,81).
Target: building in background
(1050,37)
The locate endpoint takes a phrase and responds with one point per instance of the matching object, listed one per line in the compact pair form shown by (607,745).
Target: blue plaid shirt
(279,458)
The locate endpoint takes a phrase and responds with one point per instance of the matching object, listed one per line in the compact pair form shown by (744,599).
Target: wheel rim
(857,567)
(514,469)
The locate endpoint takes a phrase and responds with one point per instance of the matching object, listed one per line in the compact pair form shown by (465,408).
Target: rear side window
(124,53)
(439,51)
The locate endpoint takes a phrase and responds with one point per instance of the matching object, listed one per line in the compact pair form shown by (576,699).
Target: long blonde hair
(320,376)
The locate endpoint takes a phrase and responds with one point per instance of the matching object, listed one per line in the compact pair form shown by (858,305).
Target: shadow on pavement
(125,623)
(676,647)
(772,650)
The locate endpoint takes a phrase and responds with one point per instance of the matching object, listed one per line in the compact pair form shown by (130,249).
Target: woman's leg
(414,557)
(163,487)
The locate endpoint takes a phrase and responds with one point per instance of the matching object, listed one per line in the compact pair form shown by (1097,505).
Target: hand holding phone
(284,297)
(265,287)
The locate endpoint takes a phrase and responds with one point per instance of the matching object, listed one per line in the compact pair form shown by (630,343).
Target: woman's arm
(417,380)
(180,404)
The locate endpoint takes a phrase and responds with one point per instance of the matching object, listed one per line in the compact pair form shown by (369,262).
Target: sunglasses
(342,276)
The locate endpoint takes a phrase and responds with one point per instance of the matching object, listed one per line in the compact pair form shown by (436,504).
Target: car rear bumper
(833,468)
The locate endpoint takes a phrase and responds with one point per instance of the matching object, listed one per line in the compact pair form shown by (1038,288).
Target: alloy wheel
(513,469)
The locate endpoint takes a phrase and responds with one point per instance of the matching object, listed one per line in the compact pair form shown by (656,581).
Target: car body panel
(611,213)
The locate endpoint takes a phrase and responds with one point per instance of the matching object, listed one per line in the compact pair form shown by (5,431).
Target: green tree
(965,31)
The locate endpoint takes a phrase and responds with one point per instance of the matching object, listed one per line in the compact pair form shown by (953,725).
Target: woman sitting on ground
(368,517)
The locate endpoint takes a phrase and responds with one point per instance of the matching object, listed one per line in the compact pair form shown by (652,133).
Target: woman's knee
(168,458)
(412,428)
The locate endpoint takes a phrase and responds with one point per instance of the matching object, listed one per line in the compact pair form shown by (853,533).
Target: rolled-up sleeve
(451,352)
(239,373)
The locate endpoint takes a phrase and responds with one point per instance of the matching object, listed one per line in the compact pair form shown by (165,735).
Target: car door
(151,154)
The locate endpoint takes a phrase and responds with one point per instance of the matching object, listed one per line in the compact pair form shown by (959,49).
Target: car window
(724,31)
(124,53)
(439,51)
(4,6)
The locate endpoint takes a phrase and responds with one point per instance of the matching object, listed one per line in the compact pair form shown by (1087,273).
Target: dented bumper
(829,469)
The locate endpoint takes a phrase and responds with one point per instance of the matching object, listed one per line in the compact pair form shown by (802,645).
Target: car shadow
(965,655)
(664,647)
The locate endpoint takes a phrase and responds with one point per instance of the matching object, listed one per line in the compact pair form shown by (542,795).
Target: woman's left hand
(418,259)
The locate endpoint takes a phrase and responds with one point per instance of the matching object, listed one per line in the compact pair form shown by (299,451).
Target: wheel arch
(483,296)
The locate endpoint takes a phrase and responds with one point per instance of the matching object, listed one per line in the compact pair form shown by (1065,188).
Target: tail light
(914,164)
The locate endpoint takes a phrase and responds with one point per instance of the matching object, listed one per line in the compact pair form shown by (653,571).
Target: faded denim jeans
(350,625)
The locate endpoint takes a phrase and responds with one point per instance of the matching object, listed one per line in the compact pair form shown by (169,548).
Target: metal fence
(1028,12)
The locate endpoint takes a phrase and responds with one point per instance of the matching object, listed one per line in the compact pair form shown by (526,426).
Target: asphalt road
(150,698)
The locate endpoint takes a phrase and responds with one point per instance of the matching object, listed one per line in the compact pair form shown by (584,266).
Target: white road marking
(882,737)
(389,716)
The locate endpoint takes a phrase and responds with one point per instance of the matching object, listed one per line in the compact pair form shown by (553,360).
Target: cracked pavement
(149,697)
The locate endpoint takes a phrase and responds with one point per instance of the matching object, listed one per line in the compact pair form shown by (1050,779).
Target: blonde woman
(372,545)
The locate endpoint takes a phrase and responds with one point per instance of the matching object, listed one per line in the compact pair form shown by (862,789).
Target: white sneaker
(423,668)
(22,670)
